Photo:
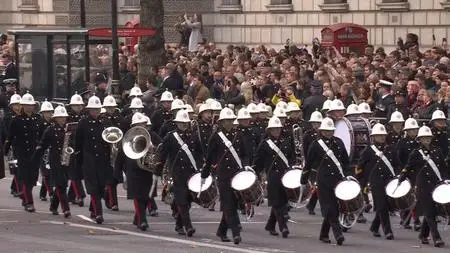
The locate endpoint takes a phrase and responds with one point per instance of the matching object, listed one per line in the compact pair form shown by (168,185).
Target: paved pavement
(42,232)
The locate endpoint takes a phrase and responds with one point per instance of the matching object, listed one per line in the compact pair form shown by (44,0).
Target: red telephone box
(346,37)
(132,41)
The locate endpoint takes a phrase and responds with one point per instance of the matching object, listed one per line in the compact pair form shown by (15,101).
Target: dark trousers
(230,219)
(429,225)
(312,201)
(152,204)
(45,188)
(139,211)
(406,216)
(59,197)
(15,186)
(111,195)
(183,218)
(331,220)
(277,215)
(381,218)
(27,195)
(76,190)
(96,205)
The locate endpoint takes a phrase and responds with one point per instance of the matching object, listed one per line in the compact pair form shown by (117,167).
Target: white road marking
(85,218)
(164,238)
(10,210)
(9,221)
(194,222)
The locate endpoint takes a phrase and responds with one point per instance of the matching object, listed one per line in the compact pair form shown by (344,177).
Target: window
(29,5)
(334,6)
(280,6)
(231,6)
(394,5)
(446,4)
(132,6)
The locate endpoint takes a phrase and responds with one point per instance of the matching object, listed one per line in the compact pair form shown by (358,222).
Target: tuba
(297,134)
(113,135)
(137,145)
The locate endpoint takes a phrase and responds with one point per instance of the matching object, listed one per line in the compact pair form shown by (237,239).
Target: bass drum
(355,134)
(442,198)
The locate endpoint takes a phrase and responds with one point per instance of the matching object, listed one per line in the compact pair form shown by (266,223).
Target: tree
(151,50)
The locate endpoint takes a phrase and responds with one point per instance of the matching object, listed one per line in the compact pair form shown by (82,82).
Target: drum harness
(383,158)
(331,155)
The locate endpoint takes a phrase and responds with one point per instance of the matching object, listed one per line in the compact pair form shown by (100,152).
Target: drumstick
(395,189)
(199,191)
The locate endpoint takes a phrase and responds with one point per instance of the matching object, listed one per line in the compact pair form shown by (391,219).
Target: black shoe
(390,236)
(212,207)
(18,194)
(417,227)
(135,221)
(340,240)
(367,208)
(153,213)
(325,239)
(80,202)
(224,238)
(439,243)
(237,239)
(30,208)
(99,219)
(311,212)
(54,211)
(407,226)
(143,226)
(424,241)
(361,219)
(190,232)
(285,233)
(43,198)
(180,231)
(273,232)
(67,214)
(375,233)
(115,208)
(92,215)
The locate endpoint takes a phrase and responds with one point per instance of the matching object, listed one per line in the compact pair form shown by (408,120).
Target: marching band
(338,156)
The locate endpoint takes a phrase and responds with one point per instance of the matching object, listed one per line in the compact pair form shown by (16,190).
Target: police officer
(162,113)
(406,145)
(46,113)
(112,115)
(94,155)
(329,173)
(395,128)
(439,128)
(184,165)
(76,193)
(274,157)
(385,99)
(23,136)
(378,164)
(16,110)
(169,125)
(400,105)
(309,137)
(224,158)
(431,169)
(53,141)
(139,181)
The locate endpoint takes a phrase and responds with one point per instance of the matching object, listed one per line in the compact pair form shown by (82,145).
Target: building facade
(254,22)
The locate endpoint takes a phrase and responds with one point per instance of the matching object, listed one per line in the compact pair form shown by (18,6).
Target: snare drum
(350,198)
(400,197)
(355,134)
(247,187)
(291,182)
(441,195)
(208,192)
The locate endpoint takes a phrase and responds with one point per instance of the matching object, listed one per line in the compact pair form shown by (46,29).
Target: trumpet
(113,135)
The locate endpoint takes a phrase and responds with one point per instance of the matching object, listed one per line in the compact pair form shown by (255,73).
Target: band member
(139,181)
(216,108)
(439,128)
(377,164)
(352,111)
(325,107)
(364,109)
(24,134)
(401,104)
(53,139)
(263,117)
(308,138)
(249,134)
(331,168)
(135,92)
(183,148)
(94,155)
(169,125)
(224,150)
(112,115)
(395,128)
(163,113)
(405,146)
(16,108)
(428,162)
(274,156)
(76,192)
(46,113)
(152,207)
(297,126)
(385,99)
(337,110)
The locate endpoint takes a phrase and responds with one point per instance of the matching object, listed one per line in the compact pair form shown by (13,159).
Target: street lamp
(115,52)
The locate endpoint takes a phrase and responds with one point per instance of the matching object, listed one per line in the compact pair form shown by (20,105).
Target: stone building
(254,22)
